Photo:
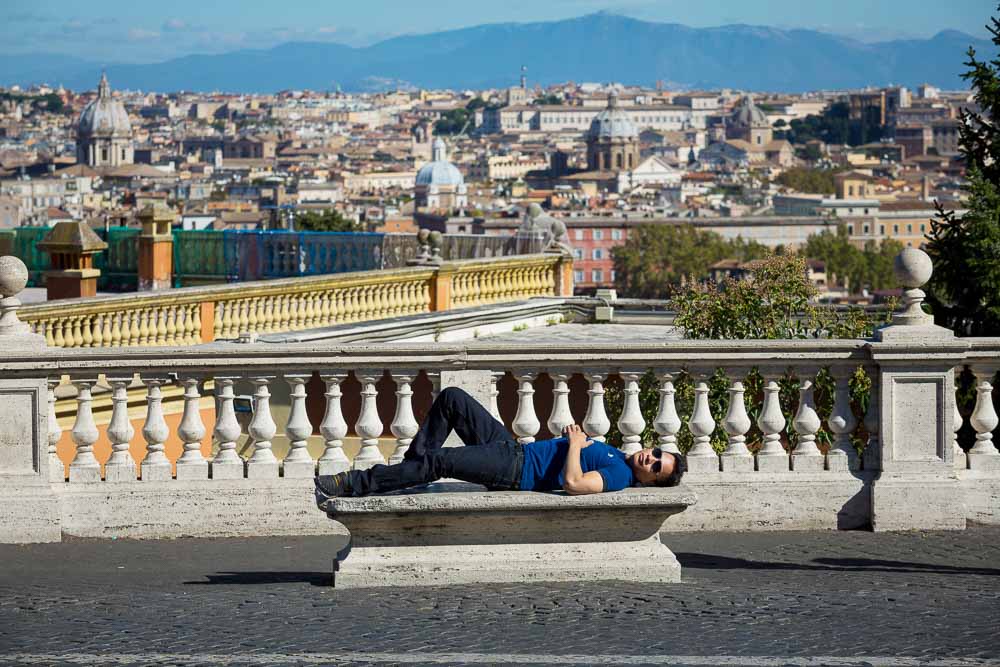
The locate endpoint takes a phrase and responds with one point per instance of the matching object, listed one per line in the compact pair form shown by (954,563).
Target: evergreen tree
(965,288)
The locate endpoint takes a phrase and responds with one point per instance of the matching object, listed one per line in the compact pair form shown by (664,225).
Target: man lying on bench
(495,459)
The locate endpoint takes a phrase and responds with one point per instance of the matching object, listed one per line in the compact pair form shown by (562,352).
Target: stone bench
(455,533)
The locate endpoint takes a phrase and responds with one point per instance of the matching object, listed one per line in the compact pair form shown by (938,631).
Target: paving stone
(751,594)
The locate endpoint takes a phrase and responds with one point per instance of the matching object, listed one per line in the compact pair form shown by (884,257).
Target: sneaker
(331,486)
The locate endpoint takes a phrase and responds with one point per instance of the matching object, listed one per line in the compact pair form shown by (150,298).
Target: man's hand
(576,436)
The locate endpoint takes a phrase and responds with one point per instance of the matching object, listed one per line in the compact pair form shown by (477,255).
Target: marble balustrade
(782,431)
(188,316)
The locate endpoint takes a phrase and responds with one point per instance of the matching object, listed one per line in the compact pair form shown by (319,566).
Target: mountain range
(596,47)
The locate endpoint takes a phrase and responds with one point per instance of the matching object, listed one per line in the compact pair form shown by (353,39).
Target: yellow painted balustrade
(188,316)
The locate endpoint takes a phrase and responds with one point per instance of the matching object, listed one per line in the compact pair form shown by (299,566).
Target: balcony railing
(193,315)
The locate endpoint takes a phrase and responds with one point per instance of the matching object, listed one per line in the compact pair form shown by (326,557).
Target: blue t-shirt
(544,462)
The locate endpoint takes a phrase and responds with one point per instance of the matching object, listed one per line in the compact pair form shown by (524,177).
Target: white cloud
(174,25)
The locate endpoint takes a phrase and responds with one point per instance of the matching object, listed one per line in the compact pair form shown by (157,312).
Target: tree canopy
(869,267)
(329,220)
(813,181)
(964,291)
(657,257)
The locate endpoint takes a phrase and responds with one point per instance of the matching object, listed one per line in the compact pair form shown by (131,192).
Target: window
(881,230)
(613,275)
(850,229)
(104,154)
(909,229)
(597,275)
(577,253)
(616,235)
(578,276)
(864,229)
(598,253)
(895,229)
(598,234)
(578,234)
(923,227)
(866,211)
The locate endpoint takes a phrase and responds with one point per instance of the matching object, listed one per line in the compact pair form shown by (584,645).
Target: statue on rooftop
(540,226)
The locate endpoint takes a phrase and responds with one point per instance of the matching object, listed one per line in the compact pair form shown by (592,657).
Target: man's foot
(332,486)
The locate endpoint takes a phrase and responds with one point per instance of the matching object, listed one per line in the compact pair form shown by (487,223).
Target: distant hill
(597,47)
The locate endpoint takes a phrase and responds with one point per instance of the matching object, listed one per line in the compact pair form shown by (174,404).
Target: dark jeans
(491,457)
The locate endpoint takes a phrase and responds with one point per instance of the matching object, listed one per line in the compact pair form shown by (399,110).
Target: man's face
(651,465)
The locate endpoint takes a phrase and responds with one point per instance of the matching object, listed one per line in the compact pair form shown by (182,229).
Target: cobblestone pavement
(837,598)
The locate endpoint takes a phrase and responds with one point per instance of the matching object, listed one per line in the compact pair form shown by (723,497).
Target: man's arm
(578,483)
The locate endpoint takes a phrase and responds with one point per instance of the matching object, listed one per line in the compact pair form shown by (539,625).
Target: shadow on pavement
(258,578)
(713,562)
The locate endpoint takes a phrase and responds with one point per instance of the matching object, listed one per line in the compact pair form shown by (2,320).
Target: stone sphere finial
(913,268)
(535,210)
(13,276)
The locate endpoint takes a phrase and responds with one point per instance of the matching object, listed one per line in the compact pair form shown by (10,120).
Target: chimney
(925,189)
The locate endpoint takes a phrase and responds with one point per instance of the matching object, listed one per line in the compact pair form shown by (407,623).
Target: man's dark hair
(680,467)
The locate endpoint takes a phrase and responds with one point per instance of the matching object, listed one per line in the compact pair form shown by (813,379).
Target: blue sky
(153,30)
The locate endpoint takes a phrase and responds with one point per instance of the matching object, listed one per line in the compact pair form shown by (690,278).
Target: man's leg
(495,465)
(455,409)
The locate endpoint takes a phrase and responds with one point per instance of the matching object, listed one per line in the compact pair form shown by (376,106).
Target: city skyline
(119,32)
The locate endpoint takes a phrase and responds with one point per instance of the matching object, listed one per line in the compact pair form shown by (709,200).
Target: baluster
(333,428)
(57,472)
(596,423)
(252,305)
(961,460)
(119,332)
(120,466)
(135,333)
(144,330)
(156,466)
(170,330)
(871,454)
(701,457)
(226,319)
(495,394)
(87,323)
(630,422)
(107,330)
(368,427)
(49,330)
(561,417)
(161,326)
(842,455)
(191,464)
(526,423)
(667,423)
(195,318)
(227,463)
(77,339)
(298,462)
(97,337)
(772,457)
(736,457)
(262,463)
(85,467)
(58,339)
(326,306)
(404,425)
(806,455)
(983,455)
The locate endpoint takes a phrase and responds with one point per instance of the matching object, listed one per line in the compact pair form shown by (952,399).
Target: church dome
(613,123)
(104,116)
(747,114)
(440,171)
